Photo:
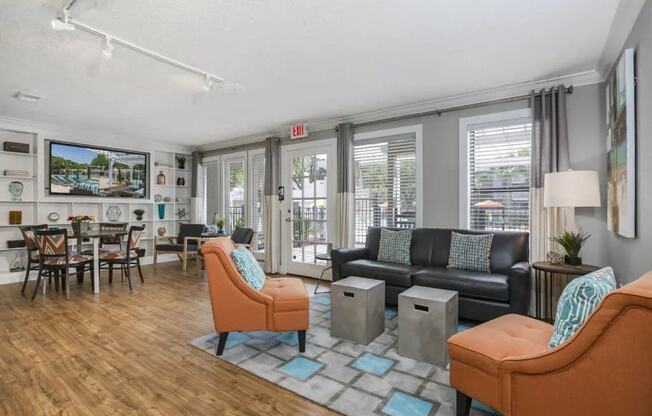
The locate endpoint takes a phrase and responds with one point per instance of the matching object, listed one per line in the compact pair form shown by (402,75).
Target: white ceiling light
(59,24)
(65,22)
(107,52)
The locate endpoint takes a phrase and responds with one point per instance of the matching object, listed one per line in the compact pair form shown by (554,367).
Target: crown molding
(512,90)
(46,130)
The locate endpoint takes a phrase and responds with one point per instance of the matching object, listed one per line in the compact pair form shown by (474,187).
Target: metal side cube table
(358,309)
(427,317)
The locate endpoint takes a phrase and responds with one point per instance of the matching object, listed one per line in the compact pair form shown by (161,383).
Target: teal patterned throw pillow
(578,300)
(470,252)
(248,267)
(395,246)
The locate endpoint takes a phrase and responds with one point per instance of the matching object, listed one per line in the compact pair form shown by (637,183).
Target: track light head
(107,52)
(208,83)
(62,23)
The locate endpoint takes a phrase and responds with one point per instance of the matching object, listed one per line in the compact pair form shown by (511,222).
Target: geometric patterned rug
(346,377)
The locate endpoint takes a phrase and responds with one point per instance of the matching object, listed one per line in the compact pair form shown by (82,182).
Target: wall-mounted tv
(82,170)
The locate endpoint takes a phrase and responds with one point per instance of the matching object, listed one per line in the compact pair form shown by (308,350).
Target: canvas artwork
(621,147)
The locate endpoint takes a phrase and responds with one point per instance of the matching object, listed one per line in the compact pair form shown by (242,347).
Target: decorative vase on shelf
(161,211)
(76,227)
(161,231)
(181,162)
(160,178)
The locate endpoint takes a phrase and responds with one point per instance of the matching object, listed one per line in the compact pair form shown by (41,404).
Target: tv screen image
(95,171)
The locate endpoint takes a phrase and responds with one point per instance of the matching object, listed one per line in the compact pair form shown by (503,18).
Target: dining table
(95,236)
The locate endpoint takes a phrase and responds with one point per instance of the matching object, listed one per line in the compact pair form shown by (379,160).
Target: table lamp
(571,189)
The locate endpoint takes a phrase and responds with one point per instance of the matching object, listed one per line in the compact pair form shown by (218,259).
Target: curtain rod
(439,112)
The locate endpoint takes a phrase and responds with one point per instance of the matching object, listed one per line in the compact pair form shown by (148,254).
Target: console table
(544,275)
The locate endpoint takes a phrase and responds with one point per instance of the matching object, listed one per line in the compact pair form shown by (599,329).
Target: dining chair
(32,250)
(129,258)
(55,258)
(244,236)
(108,244)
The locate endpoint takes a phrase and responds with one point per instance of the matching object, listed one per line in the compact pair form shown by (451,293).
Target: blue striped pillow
(248,267)
(577,302)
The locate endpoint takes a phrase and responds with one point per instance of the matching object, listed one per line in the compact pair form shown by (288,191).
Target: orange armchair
(603,369)
(281,305)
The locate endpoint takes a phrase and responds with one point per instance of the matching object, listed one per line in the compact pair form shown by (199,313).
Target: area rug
(349,378)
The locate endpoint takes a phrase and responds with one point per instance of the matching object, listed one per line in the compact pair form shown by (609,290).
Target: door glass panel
(309,207)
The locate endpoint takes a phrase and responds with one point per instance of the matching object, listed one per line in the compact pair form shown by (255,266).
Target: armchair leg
(221,343)
(463,404)
(302,341)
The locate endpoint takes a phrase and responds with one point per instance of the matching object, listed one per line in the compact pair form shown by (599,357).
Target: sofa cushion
(470,252)
(395,246)
(485,345)
(392,273)
(491,286)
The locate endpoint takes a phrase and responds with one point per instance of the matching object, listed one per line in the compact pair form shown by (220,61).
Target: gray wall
(633,257)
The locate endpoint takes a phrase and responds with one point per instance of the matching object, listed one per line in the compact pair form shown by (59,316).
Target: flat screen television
(82,170)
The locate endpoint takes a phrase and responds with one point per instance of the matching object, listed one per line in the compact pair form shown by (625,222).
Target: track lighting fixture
(107,52)
(64,21)
(61,23)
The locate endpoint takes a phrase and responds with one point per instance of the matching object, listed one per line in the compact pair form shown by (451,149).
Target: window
(234,193)
(498,169)
(385,182)
(257,186)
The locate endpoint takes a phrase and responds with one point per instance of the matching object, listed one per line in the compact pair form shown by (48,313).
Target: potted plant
(220,225)
(139,213)
(572,242)
(77,220)
(181,162)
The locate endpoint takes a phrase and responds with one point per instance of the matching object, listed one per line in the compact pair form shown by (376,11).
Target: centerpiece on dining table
(77,220)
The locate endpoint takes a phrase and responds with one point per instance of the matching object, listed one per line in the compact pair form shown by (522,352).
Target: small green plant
(572,242)
(220,223)
(139,213)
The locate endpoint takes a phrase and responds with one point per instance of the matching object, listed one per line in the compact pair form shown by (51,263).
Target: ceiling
(296,59)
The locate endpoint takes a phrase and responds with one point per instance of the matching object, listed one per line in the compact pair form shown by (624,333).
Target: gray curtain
(549,133)
(197,189)
(345,185)
(549,154)
(271,211)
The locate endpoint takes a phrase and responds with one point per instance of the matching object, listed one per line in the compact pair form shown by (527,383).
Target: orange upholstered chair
(281,305)
(603,369)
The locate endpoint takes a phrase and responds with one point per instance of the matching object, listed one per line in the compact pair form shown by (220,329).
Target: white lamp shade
(570,189)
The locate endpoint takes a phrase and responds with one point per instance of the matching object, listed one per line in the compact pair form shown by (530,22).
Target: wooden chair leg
(463,404)
(221,343)
(38,282)
(128,272)
(140,270)
(302,341)
(110,273)
(27,270)
(67,274)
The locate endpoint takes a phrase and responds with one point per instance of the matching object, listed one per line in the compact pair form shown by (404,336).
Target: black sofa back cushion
(430,247)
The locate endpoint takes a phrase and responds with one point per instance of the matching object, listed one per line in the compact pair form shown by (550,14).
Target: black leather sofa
(482,296)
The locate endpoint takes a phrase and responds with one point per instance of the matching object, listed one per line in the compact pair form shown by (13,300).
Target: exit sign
(297,131)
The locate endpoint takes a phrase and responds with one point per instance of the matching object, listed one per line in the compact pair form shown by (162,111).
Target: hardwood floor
(119,353)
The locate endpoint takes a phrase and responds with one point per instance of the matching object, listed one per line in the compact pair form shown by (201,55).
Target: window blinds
(257,194)
(385,183)
(234,193)
(499,176)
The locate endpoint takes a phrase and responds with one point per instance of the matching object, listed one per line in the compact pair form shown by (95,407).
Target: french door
(308,177)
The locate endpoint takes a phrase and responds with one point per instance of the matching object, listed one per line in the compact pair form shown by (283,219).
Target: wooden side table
(544,275)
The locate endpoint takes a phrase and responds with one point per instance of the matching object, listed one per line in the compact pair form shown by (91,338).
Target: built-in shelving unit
(36,206)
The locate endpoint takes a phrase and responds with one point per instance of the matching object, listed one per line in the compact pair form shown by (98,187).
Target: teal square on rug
(344,376)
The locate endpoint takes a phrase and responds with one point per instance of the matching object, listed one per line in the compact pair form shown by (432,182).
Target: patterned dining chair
(108,244)
(129,258)
(54,257)
(32,250)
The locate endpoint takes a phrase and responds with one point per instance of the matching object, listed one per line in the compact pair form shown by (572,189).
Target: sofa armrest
(344,255)
(520,284)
